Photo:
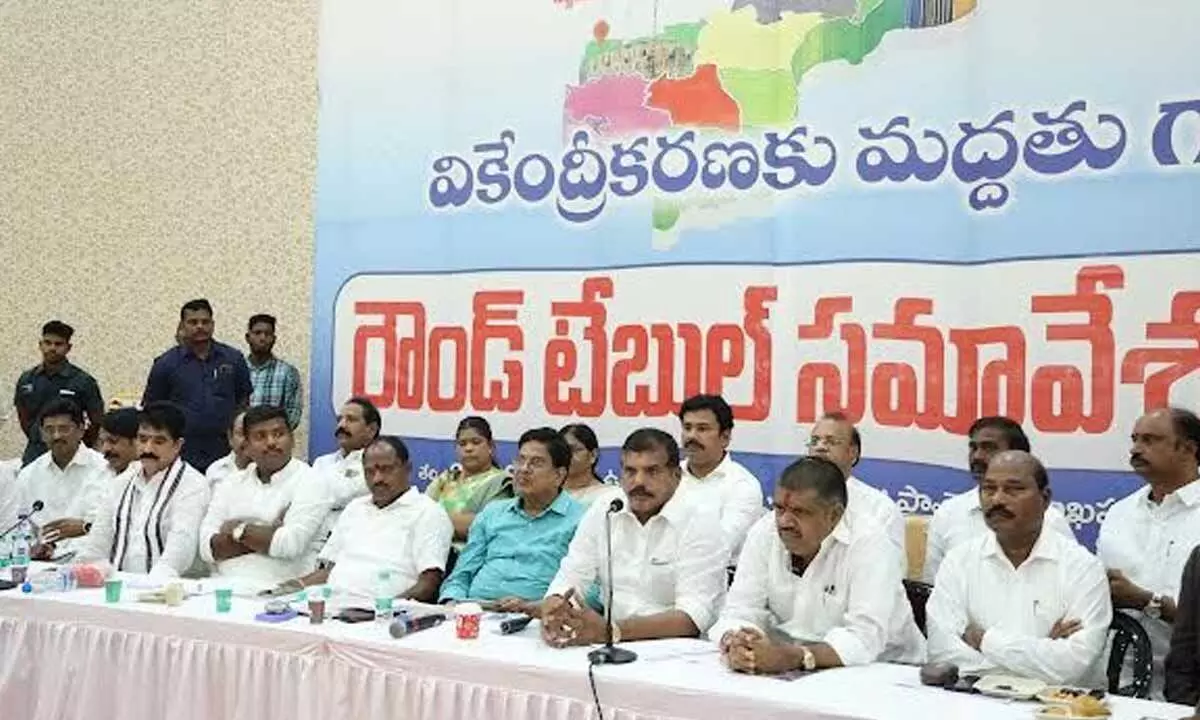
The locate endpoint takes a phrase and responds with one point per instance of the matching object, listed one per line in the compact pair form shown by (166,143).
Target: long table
(67,656)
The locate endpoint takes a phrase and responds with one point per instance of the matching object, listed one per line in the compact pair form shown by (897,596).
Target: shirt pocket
(660,580)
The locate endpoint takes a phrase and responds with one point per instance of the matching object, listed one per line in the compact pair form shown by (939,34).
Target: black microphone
(402,626)
(610,655)
(514,625)
(22,518)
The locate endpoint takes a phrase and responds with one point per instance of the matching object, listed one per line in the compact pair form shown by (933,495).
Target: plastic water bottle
(20,552)
(383,597)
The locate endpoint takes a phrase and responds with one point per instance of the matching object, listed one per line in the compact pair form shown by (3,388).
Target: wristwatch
(1153,608)
(808,661)
(238,532)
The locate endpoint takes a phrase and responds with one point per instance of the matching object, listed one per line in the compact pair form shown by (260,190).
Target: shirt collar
(80,458)
(66,370)
(675,511)
(1189,495)
(717,473)
(1045,548)
(560,506)
(283,472)
(408,498)
(216,350)
(139,475)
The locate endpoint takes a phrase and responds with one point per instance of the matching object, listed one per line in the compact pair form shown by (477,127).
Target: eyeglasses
(827,440)
(533,463)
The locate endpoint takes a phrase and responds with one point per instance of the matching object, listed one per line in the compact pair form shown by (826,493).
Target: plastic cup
(466,621)
(224,599)
(112,590)
(316,607)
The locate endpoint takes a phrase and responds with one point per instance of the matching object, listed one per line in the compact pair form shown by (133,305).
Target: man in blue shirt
(208,379)
(515,545)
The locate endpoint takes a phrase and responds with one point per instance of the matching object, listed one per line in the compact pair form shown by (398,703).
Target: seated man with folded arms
(812,593)
(150,518)
(1021,599)
(515,545)
(668,559)
(395,528)
(259,528)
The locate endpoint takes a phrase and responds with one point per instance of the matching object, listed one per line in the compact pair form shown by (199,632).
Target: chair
(916,531)
(1129,635)
(918,594)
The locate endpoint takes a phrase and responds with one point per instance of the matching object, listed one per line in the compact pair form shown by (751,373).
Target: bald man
(1019,599)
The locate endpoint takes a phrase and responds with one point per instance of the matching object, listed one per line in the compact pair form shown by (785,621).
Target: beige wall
(151,152)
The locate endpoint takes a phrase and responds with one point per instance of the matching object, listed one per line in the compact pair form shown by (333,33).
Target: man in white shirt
(810,592)
(1021,599)
(836,439)
(68,479)
(237,459)
(710,472)
(358,424)
(961,517)
(1146,538)
(395,528)
(668,563)
(259,528)
(150,521)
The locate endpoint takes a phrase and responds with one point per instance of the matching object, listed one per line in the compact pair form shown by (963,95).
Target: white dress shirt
(868,507)
(735,493)
(406,538)
(961,517)
(221,470)
(180,522)
(673,562)
(1017,608)
(850,597)
(343,477)
(1151,543)
(70,492)
(294,494)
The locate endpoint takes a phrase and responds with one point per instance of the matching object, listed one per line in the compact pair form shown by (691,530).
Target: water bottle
(383,597)
(20,553)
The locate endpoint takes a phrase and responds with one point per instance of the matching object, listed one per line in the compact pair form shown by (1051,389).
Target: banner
(915,212)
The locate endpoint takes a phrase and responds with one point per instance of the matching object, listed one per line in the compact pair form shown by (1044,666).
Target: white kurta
(735,493)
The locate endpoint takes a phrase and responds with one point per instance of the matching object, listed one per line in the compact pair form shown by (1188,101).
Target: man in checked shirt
(276,383)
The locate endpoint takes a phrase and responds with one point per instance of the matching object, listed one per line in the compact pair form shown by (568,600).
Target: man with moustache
(209,380)
(668,564)
(68,480)
(394,528)
(836,439)
(358,424)
(258,531)
(1146,538)
(516,544)
(1021,599)
(710,472)
(961,517)
(805,558)
(150,519)
(236,460)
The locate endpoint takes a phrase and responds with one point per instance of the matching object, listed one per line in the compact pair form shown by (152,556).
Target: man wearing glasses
(836,439)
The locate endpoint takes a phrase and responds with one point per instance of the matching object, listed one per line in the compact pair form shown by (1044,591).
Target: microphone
(402,626)
(610,655)
(22,518)
(514,625)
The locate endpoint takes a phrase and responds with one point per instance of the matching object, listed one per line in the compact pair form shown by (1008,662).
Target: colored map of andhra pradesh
(736,70)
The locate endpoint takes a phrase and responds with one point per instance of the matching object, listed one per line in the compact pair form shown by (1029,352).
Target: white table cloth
(71,656)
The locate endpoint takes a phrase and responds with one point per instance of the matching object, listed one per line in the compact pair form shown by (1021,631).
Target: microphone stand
(610,654)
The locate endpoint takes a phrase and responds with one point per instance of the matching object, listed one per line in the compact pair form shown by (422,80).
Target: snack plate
(1009,687)
(1061,712)
(1053,695)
